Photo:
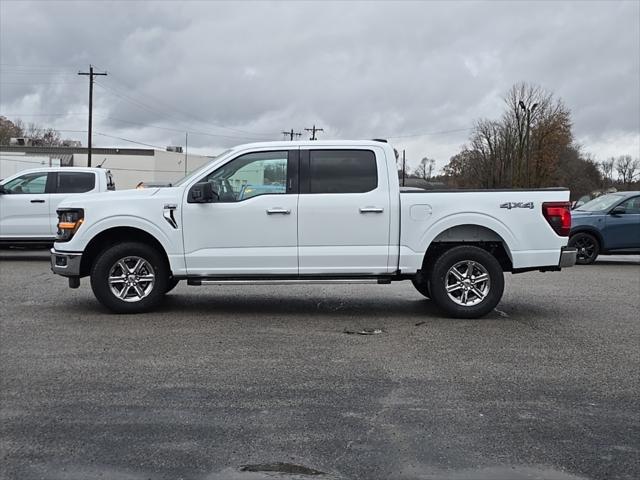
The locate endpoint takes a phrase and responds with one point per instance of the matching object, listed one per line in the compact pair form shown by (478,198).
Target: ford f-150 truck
(29,200)
(314,211)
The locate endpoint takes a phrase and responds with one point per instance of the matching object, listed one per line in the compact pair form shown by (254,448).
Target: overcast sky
(418,73)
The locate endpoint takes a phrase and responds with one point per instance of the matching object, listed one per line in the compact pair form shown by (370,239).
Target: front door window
(251,175)
(31,183)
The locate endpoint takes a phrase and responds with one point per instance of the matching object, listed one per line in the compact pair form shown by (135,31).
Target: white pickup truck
(29,200)
(321,211)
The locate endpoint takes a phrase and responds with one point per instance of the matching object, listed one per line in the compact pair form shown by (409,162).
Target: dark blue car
(609,224)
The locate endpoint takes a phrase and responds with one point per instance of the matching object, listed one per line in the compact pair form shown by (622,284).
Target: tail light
(558,214)
(69,220)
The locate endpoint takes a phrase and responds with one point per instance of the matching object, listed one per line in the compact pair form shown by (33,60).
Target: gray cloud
(357,69)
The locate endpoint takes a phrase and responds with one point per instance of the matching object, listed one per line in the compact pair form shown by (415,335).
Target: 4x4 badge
(510,205)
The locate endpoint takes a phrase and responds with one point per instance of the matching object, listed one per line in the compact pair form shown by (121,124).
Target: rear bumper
(568,257)
(66,264)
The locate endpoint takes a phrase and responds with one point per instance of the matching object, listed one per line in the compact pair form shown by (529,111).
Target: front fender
(82,238)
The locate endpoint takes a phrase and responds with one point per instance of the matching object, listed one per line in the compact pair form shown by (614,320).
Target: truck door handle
(37,201)
(278,211)
(371,210)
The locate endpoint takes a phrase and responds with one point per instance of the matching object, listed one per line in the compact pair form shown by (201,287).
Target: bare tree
(425,169)
(627,167)
(606,167)
(45,137)
(522,149)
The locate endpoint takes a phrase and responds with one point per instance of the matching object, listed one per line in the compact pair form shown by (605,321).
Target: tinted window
(250,175)
(342,171)
(632,205)
(75,182)
(28,183)
(599,204)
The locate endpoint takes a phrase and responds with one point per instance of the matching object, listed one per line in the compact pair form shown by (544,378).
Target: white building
(129,166)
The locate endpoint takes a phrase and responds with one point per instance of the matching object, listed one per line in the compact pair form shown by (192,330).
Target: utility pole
(529,111)
(404,167)
(292,134)
(91,74)
(186,150)
(313,131)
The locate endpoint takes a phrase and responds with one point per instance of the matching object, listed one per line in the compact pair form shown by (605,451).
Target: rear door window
(342,171)
(75,182)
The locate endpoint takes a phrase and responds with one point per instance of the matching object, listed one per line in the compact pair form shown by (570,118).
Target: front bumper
(66,264)
(568,256)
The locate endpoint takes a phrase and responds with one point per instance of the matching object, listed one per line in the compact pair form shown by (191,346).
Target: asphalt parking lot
(262,382)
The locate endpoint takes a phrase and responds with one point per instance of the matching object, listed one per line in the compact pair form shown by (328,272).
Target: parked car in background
(587,198)
(606,225)
(29,199)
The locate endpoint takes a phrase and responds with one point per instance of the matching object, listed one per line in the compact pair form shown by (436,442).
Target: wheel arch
(472,234)
(113,235)
(591,231)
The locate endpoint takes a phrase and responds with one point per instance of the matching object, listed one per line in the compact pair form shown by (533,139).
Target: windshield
(599,204)
(199,170)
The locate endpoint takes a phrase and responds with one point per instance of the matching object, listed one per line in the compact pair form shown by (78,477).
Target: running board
(300,281)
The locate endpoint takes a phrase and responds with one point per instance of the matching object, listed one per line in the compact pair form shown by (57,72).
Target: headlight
(69,220)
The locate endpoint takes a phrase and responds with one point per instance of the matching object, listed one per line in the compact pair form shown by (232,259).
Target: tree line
(530,146)
(41,136)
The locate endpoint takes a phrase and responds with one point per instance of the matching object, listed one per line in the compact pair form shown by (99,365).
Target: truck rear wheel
(129,277)
(466,282)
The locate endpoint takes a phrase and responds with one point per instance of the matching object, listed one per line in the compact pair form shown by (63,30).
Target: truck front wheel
(466,282)
(129,277)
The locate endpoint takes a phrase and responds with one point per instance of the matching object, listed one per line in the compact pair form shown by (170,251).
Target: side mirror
(2,190)
(619,210)
(202,193)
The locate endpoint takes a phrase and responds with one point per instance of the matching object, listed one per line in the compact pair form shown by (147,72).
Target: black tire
(171,284)
(476,270)
(153,265)
(421,284)
(587,245)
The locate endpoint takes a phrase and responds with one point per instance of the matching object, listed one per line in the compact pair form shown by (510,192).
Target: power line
(431,133)
(34,66)
(35,72)
(42,114)
(119,120)
(150,109)
(131,100)
(130,141)
(115,137)
(194,132)
(192,116)
(38,83)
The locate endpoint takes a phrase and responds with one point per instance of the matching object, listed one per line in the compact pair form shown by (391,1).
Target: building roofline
(78,150)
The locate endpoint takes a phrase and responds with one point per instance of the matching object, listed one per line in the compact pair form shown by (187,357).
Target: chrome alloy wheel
(131,279)
(467,283)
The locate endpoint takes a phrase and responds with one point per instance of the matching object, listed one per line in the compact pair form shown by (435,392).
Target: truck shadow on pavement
(250,307)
